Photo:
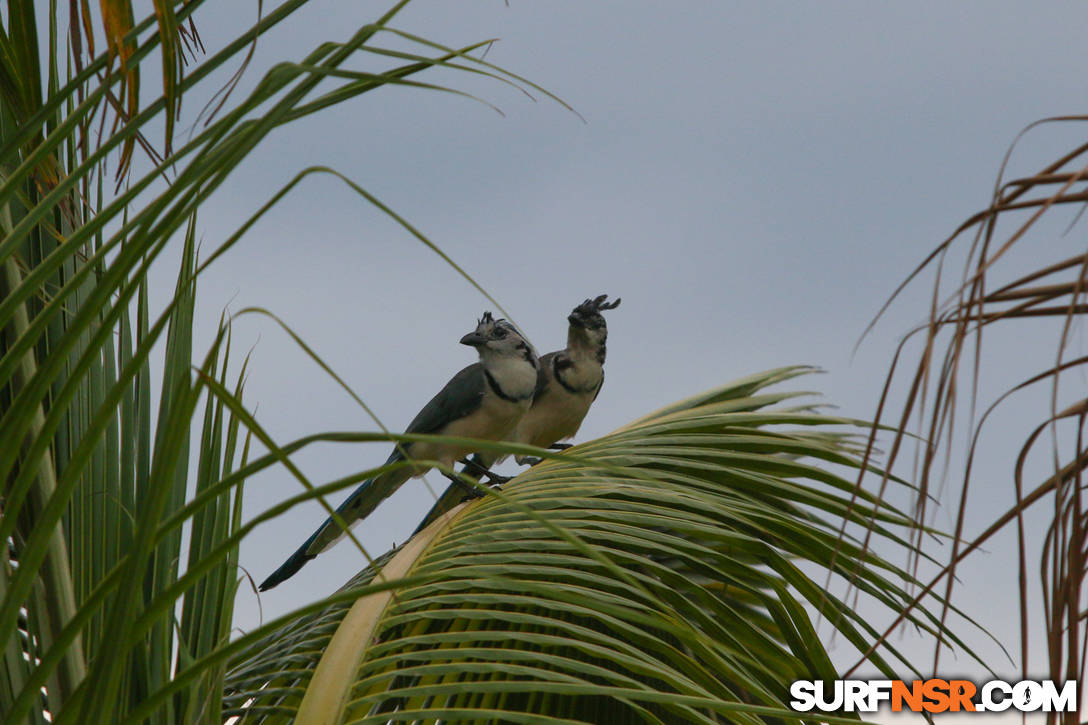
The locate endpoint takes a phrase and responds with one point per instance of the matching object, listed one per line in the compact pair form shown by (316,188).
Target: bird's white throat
(515,374)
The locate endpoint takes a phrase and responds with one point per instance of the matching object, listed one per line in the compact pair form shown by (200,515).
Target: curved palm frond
(667,572)
(998,298)
(111,578)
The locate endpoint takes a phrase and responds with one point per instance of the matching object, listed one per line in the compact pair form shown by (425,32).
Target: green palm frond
(118,539)
(671,571)
(668,572)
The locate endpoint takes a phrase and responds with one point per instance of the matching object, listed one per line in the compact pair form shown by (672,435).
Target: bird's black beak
(576,320)
(473,339)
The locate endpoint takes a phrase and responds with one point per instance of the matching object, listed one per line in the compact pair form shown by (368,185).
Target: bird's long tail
(294,562)
(454,494)
(362,501)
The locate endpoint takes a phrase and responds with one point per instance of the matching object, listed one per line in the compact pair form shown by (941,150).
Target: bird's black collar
(558,366)
(499,391)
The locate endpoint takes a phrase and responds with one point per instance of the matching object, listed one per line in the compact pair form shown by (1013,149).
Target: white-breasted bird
(485,400)
(568,381)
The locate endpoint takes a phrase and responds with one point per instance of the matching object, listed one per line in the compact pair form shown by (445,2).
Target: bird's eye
(500,332)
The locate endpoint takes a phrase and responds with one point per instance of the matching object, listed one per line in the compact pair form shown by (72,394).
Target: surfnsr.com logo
(933,696)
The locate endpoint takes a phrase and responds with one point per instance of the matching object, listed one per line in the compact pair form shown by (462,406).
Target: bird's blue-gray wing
(543,372)
(455,492)
(461,396)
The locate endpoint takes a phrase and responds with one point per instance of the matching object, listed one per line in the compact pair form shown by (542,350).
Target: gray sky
(752,178)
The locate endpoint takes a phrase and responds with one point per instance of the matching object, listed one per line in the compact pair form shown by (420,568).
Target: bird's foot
(478,471)
(472,493)
(459,480)
(560,446)
(475,492)
(529,460)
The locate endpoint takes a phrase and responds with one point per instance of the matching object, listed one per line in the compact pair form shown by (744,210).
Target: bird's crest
(487,324)
(589,312)
(597,305)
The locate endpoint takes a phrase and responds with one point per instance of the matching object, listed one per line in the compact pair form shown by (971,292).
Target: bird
(568,382)
(485,400)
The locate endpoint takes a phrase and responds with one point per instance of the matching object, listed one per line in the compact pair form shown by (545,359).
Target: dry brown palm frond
(1001,293)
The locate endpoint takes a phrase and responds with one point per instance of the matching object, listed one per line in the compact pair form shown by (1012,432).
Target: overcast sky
(753,179)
